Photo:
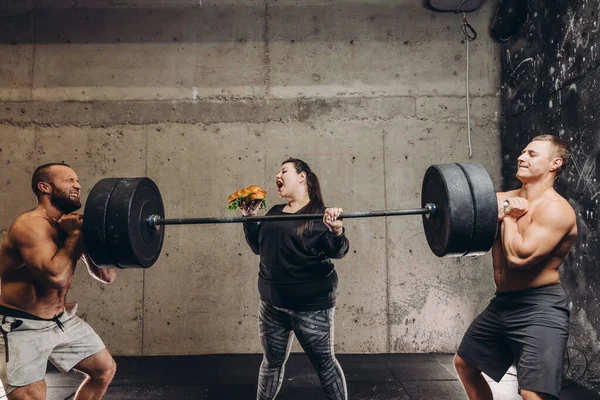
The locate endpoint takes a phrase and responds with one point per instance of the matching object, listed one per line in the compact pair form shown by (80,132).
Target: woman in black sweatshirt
(297,281)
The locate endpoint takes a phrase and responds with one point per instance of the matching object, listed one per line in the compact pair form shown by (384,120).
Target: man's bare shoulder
(29,226)
(557,210)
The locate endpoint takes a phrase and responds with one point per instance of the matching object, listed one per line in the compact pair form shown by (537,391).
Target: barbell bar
(154,221)
(123,221)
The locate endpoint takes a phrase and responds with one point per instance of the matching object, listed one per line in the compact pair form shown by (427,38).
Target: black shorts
(530,327)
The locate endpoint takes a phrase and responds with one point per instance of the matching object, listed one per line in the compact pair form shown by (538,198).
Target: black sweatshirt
(296,272)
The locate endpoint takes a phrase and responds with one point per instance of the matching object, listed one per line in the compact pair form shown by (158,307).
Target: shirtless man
(37,262)
(527,322)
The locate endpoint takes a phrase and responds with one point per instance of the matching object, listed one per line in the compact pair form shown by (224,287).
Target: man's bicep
(544,234)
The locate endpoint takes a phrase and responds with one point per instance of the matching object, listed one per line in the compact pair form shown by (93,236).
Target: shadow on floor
(234,377)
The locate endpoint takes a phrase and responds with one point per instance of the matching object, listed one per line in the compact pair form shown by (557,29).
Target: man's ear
(44,187)
(556,164)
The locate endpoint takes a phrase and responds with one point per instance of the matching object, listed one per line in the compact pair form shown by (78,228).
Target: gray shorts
(529,328)
(29,342)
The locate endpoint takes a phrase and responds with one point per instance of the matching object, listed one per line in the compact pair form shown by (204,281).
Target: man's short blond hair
(561,149)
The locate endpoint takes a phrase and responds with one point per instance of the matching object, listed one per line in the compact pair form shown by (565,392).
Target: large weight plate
(485,205)
(450,231)
(133,242)
(94,222)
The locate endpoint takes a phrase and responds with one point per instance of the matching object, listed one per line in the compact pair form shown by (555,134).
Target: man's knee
(105,371)
(464,368)
(102,369)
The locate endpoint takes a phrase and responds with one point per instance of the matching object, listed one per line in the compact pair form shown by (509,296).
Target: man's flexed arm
(550,223)
(52,265)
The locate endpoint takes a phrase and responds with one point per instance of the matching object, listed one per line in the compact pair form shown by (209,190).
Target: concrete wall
(550,85)
(207,99)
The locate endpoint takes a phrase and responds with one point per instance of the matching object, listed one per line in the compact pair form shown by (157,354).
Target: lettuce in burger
(244,197)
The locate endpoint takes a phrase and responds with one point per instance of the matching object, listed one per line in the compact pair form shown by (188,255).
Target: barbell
(123,223)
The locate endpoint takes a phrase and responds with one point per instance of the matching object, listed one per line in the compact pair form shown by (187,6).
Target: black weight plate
(485,205)
(94,222)
(134,243)
(450,231)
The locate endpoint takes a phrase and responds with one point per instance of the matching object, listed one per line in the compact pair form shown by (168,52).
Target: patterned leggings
(314,331)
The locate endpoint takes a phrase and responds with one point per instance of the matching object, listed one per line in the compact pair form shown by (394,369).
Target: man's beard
(64,202)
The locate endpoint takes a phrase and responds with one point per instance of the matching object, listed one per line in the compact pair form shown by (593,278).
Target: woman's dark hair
(314,194)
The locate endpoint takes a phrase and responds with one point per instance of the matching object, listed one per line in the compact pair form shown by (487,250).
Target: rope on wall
(469,35)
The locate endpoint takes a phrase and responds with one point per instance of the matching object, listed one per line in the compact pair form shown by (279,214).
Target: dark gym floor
(233,377)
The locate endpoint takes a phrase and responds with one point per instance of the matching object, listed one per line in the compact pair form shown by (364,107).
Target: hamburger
(245,197)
